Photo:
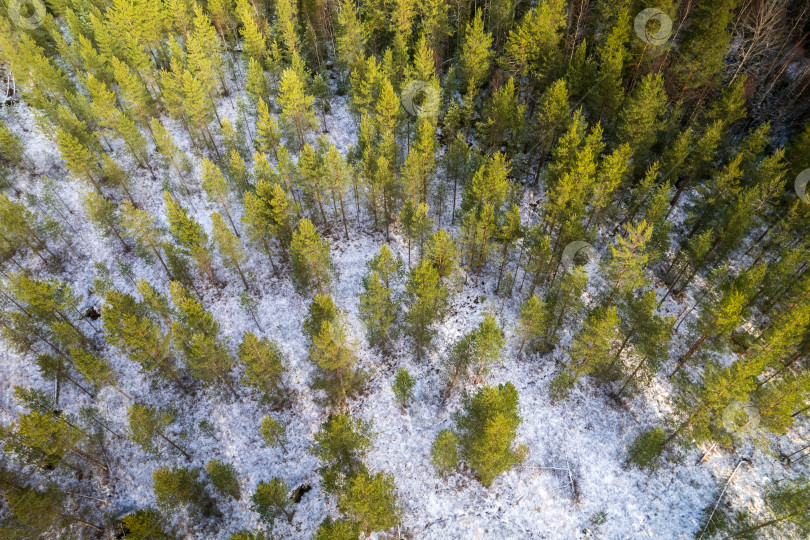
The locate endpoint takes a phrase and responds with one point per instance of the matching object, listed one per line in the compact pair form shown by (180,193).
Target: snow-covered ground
(576,463)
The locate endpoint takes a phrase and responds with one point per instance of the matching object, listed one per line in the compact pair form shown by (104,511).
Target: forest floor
(574,484)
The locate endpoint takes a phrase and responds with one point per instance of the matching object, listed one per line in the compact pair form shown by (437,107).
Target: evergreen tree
(370,500)
(264,366)
(270,500)
(534,320)
(182,487)
(487,427)
(139,226)
(190,235)
(103,213)
(273,432)
(444,452)
(297,114)
(216,188)
(476,55)
(311,260)
(230,247)
(145,524)
(146,422)
(341,443)
(488,343)
(426,298)
(196,334)
(338,529)
(442,252)
(403,387)
(135,329)
(379,306)
(224,478)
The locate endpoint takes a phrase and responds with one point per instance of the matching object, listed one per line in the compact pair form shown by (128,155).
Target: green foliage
(181,487)
(147,423)
(370,500)
(403,386)
(341,443)
(273,432)
(487,428)
(426,297)
(444,452)
(338,529)
(145,524)
(379,305)
(264,366)
(647,447)
(224,478)
(311,260)
(270,500)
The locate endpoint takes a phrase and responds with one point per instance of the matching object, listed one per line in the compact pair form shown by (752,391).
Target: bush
(647,448)
(444,452)
(224,478)
(403,386)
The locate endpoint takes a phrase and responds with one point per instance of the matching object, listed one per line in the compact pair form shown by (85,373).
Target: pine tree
(102,212)
(502,119)
(270,500)
(705,42)
(191,237)
(333,353)
(182,487)
(488,343)
(338,529)
(624,269)
(403,387)
(195,333)
(370,500)
(224,478)
(379,306)
(476,55)
(534,320)
(135,329)
(217,190)
(139,226)
(444,452)
(273,432)
(640,117)
(426,298)
(487,427)
(145,524)
(297,114)
(591,350)
(230,247)
(442,252)
(311,260)
(267,135)
(717,318)
(264,366)
(146,422)
(341,443)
